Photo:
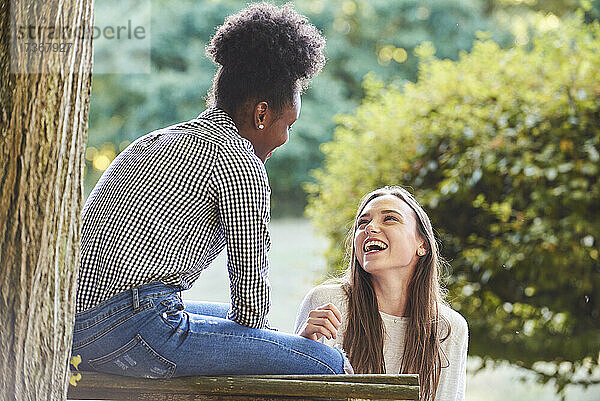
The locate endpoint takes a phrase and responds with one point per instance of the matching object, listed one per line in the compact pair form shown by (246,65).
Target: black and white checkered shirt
(168,205)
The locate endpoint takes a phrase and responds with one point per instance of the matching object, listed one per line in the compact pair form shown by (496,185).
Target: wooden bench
(98,386)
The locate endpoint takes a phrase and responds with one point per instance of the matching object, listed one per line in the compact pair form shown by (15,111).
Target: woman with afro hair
(169,204)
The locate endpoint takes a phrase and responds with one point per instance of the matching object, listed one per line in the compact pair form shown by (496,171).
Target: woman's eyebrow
(385,211)
(393,211)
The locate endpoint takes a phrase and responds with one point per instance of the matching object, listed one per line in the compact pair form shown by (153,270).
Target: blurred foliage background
(362,36)
(488,109)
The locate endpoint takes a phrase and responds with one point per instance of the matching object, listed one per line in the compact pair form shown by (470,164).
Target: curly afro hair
(264,53)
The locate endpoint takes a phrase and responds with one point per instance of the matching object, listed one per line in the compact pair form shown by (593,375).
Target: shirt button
(164,315)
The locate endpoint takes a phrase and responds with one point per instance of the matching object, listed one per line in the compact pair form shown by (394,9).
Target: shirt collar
(219,117)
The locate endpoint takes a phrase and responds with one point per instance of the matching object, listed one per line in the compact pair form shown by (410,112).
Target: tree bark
(44,101)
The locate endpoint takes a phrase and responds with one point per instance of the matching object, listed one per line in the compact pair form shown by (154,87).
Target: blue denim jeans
(150,332)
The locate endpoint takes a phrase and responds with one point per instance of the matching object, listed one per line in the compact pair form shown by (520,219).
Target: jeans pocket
(136,359)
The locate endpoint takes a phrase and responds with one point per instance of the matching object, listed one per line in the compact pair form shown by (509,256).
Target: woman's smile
(373,246)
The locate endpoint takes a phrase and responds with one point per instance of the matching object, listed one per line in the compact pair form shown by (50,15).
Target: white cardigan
(451,386)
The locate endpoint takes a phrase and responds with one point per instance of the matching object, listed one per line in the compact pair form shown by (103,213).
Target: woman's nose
(371,228)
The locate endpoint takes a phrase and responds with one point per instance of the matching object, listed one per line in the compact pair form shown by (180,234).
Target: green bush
(502,149)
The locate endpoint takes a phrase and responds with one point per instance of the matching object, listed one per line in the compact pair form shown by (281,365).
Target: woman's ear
(422,249)
(260,115)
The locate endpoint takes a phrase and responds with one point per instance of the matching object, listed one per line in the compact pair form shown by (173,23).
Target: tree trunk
(44,101)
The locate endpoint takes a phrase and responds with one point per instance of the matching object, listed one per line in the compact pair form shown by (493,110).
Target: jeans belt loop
(136,299)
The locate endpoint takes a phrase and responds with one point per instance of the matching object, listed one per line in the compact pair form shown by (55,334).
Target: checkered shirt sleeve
(243,196)
(168,205)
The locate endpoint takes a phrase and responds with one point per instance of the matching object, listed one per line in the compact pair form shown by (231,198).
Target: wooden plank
(127,395)
(407,379)
(101,385)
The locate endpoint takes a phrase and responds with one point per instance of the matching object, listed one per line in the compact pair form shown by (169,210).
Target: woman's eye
(394,218)
(362,223)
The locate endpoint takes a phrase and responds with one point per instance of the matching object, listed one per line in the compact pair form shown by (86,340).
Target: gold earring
(421,252)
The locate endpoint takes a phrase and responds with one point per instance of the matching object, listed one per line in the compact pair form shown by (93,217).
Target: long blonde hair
(426,329)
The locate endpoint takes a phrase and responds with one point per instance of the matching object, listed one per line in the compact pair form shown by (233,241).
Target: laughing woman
(387,312)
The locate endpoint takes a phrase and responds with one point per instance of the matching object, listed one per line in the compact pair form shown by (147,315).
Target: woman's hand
(323,321)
